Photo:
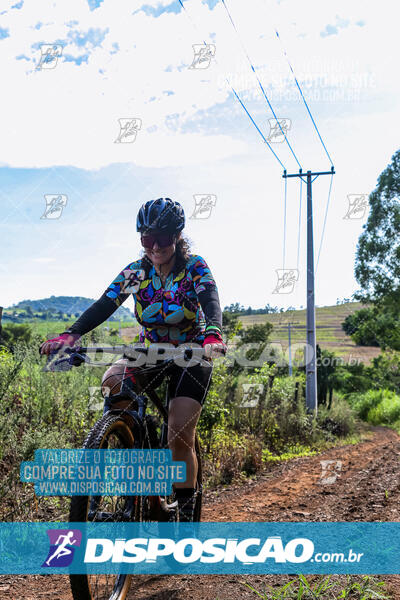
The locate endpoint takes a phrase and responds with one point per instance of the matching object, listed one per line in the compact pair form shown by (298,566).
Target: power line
(304,100)
(323,227)
(266,141)
(259,82)
(256,126)
(238,98)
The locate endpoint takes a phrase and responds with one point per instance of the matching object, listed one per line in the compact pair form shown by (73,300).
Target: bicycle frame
(138,426)
(78,356)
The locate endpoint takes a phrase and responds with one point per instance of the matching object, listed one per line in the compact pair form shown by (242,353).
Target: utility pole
(311,371)
(289,325)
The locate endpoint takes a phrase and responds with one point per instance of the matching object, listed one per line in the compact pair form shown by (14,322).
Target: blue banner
(206,548)
(86,472)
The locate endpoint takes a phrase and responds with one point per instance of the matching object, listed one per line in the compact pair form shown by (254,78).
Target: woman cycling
(176,301)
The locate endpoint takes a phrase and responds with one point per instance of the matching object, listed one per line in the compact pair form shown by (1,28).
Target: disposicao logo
(190,550)
(62,547)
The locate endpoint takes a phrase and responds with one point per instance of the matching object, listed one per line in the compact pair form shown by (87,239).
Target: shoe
(186,508)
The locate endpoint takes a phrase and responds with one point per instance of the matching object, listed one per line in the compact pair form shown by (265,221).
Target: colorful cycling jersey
(184,309)
(171,313)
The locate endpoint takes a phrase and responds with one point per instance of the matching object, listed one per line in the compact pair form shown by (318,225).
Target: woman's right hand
(65,339)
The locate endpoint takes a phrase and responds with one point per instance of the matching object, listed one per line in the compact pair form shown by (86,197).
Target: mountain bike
(127,428)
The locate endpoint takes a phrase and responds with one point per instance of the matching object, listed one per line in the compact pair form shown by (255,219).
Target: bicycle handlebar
(156,352)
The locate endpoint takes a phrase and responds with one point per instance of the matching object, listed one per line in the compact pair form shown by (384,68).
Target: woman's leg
(112,380)
(184,413)
(188,390)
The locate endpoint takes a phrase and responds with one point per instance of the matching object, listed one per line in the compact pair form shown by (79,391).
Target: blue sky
(131,60)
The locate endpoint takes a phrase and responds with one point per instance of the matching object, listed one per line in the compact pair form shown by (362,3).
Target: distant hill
(329,332)
(57,307)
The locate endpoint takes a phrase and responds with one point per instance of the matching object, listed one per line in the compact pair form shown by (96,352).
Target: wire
(323,227)
(304,100)
(298,236)
(259,82)
(238,98)
(256,126)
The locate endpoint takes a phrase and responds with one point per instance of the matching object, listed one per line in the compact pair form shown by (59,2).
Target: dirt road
(367,489)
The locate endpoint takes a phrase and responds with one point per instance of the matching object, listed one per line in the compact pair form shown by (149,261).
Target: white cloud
(43,259)
(69,115)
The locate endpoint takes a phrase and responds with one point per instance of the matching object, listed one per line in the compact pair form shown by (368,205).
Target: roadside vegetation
(253,417)
(336,587)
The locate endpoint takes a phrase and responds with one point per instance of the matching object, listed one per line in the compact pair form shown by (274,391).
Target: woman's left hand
(213,346)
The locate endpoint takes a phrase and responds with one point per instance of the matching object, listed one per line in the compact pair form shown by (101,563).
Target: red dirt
(368,489)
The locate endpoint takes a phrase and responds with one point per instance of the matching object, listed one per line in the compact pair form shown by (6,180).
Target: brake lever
(65,363)
(76,359)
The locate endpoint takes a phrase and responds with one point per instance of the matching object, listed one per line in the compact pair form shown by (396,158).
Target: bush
(362,403)
(350,379)
(232,456)
(286,417)
(374,326)
(215,411)
(385,371)
(377,406)
(49,409)
(33,439)
(13,333)
(339,421)
(387,411)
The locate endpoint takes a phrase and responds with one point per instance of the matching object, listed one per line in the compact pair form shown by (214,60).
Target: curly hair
(182,254)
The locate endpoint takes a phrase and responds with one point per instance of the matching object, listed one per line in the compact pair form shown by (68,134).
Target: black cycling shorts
(193,382)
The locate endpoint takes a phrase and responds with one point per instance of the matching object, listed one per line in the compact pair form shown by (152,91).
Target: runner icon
(62,550)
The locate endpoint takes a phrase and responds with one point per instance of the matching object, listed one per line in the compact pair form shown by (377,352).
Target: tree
(234,308)
(256,333)
(12,333)
(374,326)
(230,324)
(385,371)
(377,268)
(271,309)
(361,327)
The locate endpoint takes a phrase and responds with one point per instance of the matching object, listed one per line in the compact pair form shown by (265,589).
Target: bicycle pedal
(167,512)
(166,506)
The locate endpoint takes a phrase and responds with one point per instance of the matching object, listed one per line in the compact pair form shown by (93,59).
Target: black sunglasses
(163,239)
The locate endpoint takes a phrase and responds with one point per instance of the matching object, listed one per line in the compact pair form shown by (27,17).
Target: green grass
(299,450)
(53,328)
(267,456)
(378,407)
(356,587)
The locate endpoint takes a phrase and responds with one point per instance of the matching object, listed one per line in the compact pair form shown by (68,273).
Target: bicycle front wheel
(199,482)
(112,431)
